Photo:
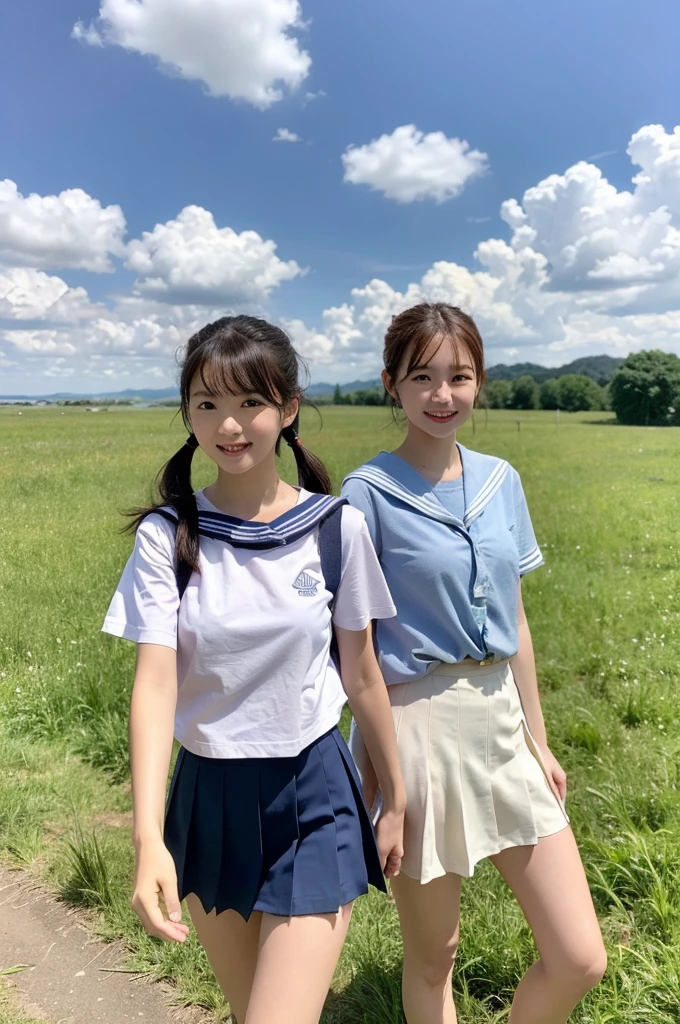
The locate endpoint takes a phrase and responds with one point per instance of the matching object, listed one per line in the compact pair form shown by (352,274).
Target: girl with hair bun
(452,531)
(251,603)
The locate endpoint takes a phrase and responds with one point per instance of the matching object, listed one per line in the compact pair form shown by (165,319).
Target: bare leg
(232,947)
(550,884)
(295,965)
(429,916)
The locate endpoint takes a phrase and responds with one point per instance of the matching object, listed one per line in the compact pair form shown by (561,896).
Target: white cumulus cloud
(69,230)
(409,165)
(191,260)
(27,294)
(244,49)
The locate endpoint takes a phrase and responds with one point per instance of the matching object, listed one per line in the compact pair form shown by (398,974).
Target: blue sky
(548,96)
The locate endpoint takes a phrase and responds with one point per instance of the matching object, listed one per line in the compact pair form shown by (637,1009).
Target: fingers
(146,904)
(393,863)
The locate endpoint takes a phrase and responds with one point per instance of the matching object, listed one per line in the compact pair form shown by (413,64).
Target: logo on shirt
(306,585)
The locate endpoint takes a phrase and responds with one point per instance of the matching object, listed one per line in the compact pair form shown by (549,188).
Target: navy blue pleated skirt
(286,836)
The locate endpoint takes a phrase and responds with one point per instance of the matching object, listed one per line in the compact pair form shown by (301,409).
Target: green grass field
(606,623)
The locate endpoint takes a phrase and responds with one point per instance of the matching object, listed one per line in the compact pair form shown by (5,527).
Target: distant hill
(143,394)
(600,368)
(317,390)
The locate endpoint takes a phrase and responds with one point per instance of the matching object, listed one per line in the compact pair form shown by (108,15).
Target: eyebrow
(203,394)
(426,366)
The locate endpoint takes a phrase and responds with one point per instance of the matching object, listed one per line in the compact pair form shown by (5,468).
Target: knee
(432,966)
(582,970)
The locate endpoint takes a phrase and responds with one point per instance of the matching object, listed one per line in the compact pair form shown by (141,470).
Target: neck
(259,494)
(434,458)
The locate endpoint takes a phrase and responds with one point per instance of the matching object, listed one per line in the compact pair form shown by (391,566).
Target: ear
(389,386)
(290,413)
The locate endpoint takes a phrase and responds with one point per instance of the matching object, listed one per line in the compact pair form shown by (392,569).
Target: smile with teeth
(234,449)
(441,415)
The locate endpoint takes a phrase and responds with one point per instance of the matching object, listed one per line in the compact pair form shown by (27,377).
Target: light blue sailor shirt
(452,555)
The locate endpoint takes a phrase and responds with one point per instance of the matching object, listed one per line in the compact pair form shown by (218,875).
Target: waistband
(470,667)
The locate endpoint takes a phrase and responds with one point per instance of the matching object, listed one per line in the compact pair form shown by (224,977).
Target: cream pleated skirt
(475,782)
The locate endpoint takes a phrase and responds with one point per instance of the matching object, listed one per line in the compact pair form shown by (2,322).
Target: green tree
(645,391)
(549,394)
(577,393)
(498,393)
(525,393)
(337,395)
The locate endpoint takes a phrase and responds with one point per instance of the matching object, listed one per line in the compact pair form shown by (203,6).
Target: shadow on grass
(372,997)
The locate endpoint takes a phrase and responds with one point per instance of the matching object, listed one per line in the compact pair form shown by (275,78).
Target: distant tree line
(572,393)
(362,396)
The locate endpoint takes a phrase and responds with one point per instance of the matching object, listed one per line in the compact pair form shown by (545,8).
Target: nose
(443,393)
(229,426)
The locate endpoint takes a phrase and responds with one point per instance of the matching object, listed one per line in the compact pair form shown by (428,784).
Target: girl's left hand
(389,834)
(556,774)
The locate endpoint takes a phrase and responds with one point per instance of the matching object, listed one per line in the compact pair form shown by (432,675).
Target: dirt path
(68,979)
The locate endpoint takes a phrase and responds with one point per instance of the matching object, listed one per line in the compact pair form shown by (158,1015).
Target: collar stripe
(299,521)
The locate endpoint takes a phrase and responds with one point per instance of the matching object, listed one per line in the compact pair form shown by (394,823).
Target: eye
(460,378)
(419,377)
(252,403)
(207,405)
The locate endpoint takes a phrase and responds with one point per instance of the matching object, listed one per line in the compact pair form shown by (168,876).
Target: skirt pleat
(475,781)
(285,836)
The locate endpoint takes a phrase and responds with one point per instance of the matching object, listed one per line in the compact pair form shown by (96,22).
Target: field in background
(606,625)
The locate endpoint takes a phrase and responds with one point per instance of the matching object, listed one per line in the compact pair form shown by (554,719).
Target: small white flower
(18,689)
(28,654)
(578,547)
(58,640)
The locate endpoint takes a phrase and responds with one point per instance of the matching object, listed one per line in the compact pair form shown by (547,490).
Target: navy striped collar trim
(287,528)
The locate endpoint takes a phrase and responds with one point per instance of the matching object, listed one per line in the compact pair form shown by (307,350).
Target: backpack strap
(330,551)
(330,555)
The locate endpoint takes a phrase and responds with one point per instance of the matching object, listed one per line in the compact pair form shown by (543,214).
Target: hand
(557,777)
(156,877)
(389,834)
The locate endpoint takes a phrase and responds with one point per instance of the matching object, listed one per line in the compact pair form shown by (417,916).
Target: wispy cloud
(602,155)
(283,135)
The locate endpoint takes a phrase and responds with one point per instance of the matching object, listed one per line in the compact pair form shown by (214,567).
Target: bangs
(240,370)
(426,346)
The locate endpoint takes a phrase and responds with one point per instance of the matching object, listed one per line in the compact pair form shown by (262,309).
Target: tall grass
(605,618)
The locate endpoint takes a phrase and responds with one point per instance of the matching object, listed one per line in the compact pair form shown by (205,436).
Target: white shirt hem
(288,748)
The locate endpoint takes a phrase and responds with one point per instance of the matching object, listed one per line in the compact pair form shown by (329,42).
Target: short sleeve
(530,556)
(363,594)
(360,495)
(145,604)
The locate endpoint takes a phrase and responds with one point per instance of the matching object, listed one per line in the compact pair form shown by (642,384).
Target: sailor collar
(483,476)
(297,522)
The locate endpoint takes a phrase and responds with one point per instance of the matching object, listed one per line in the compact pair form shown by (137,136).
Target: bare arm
(152,712)
(370,705)
(524,671)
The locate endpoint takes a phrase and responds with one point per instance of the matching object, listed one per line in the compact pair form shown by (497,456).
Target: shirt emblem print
(306,585)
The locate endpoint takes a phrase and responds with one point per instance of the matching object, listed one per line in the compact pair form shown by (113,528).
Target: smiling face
(438,394)
(237,431)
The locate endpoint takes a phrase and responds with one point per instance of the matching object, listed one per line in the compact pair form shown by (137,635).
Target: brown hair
(416,328)
(234,355)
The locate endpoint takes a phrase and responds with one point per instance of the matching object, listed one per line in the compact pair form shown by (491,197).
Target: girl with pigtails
(233,595)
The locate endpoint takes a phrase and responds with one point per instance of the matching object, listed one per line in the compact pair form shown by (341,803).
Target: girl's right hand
(156,876)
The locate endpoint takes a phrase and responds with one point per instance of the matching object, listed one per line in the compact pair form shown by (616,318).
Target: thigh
(429,915)
(551,887)
(295,966)
(232,946)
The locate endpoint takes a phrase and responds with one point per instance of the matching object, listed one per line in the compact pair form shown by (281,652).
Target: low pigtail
(175,489)
(312,474)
